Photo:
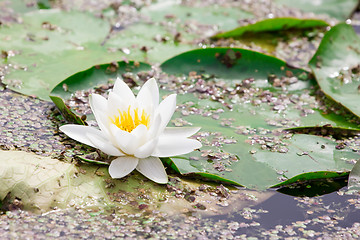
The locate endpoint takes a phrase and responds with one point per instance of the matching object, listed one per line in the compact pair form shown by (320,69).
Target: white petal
(139,131)
(149,94)
(123,91)
(146,150)
(172,146)
(127,142)
(180,131)
(153,169)
(97,102)
(98,106)
(116,104)
(154,127)
(166,109)
(78,133)
(122,166)
(104,145)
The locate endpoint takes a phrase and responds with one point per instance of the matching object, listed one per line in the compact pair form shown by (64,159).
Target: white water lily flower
(134,129)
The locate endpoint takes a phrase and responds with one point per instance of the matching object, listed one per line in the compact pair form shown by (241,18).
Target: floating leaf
(155,46)
(42,183)
(234,64)
(90,78)
(39,182)
(272,25)
(354,178)
(305,157)
(242,146)
(336,66)
(314,188)
(333,8)
(224,18)
(184,28)
(51,45)
(21,7)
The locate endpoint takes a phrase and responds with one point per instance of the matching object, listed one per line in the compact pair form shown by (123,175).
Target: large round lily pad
(246,145)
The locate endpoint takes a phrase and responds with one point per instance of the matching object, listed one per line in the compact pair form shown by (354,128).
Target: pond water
(270,215)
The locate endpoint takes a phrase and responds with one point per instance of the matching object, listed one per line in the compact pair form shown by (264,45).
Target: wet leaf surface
(272,25)
(41,183)
(337,9)
(354,178)
(50,47)
(261,145)
(240,124)
(158,44)
(262,161)
(270,92)
(221,18)
(336,66)
(98,77)
(232,63)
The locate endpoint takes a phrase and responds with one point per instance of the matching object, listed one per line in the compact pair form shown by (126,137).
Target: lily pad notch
(88,79)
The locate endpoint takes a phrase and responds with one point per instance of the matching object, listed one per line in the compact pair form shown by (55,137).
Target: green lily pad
(242,145)
(21,7)
(307,157)
(155,46)
(225,18)
(163,41)
(51,45)
(336,66)
(235,65)
(264,115)
(272,25)
(341,10)
(232,63)
(88,79)
(42,183)
(315,188)
(354,178)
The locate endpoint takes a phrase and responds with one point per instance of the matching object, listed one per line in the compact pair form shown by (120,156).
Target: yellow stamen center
(128,122)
